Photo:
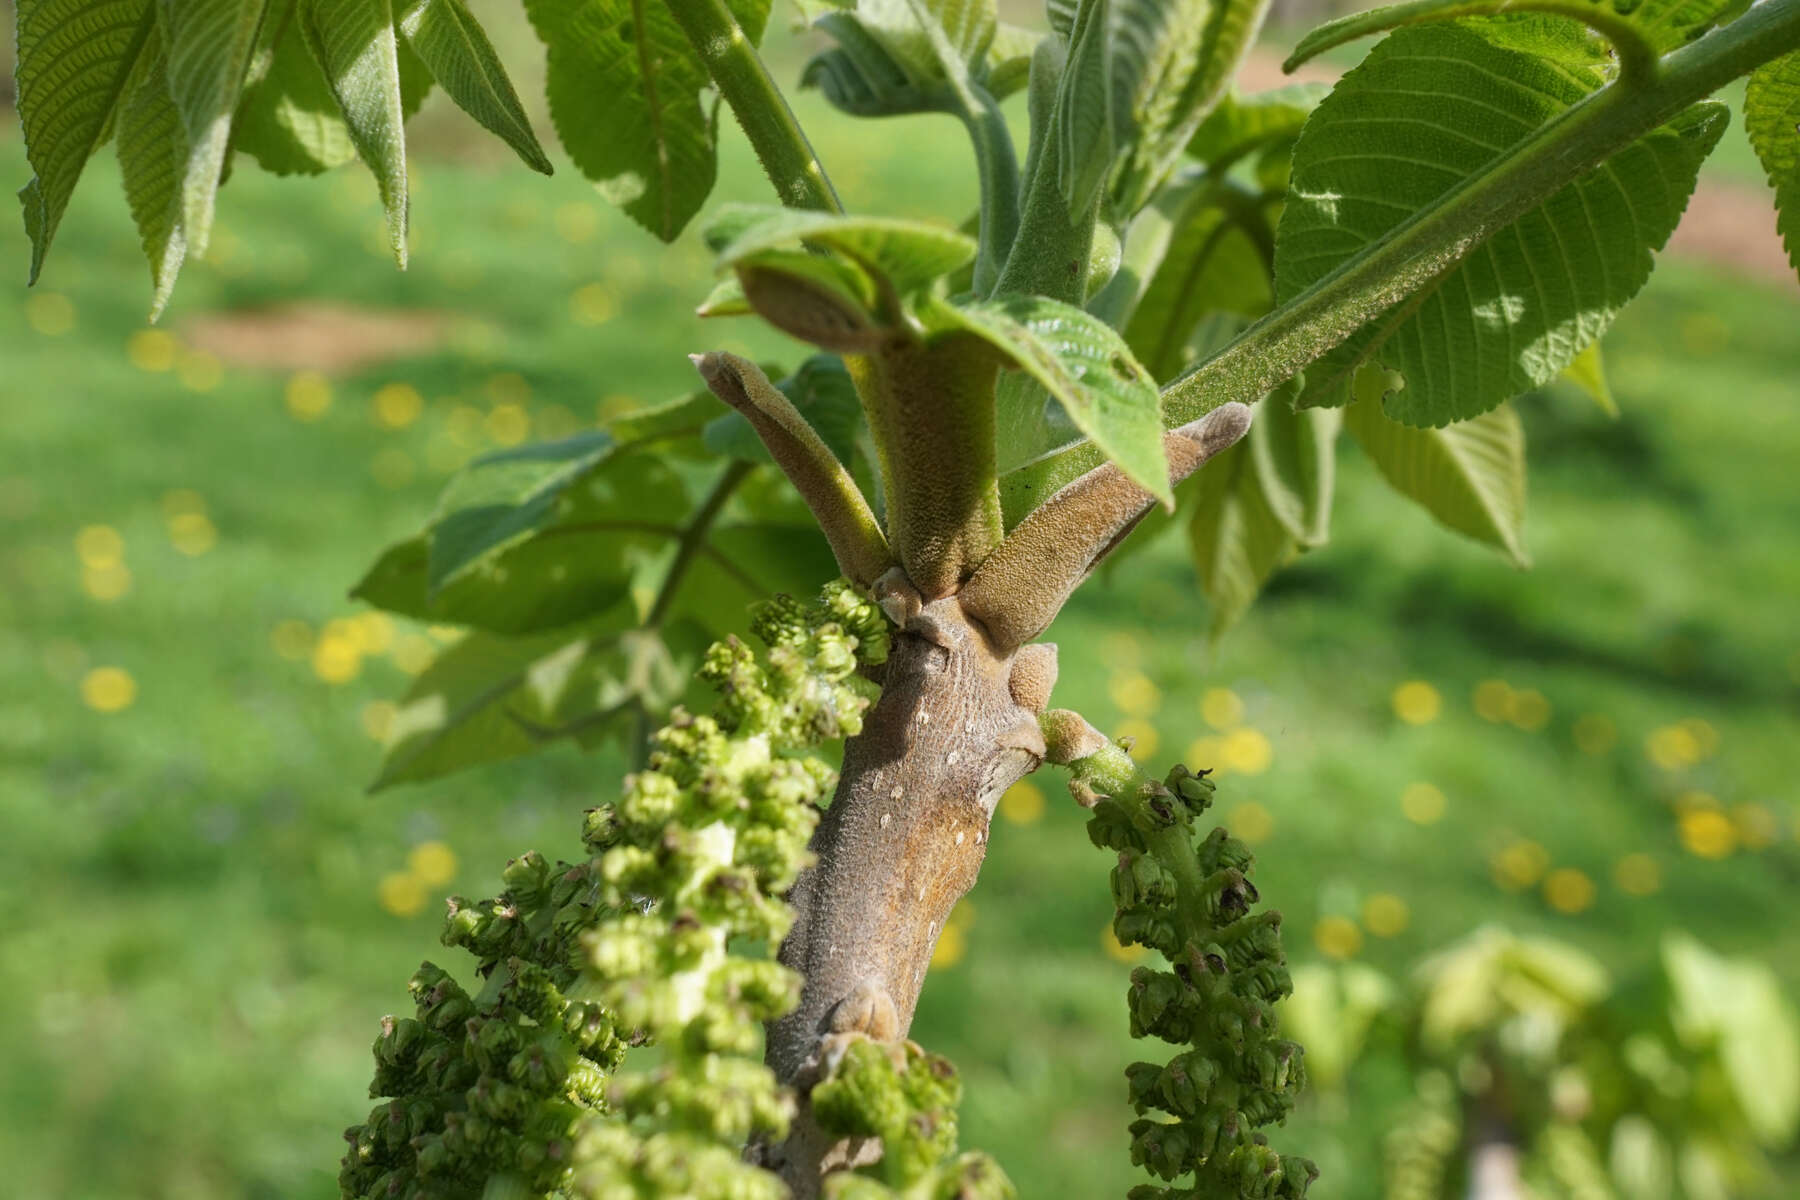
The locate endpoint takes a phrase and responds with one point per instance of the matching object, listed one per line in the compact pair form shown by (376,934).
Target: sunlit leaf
(1431,106)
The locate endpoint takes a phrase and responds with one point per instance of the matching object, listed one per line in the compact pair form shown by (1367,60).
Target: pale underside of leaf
(209,45)
(1772,117)
(355,43)
(1235,537)
(1295,454)
(1470,475)
(1588,372)
(288,119)
(76,59)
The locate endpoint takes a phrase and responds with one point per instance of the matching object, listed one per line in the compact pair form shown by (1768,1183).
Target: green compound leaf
(503,498)
(1171,61)
(1638,32)
(1240,125)
(625,89)
(152,149)
(1234,534)
(1214,264)
(822,392)
(1737,1007)
(1772,117)
(1087,369)
(354,42)
(1428,108)
(908,255)
(453,46)
(884,63)
(1084,121)
(209,46)
(1296,461)
(76,61)
(548,536)
(488,698)
(1470,475)
(288,120)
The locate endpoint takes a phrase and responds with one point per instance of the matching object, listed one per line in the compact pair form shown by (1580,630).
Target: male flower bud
(1165,1150)
(599,828)
(528,879)
(1195,790)
(400,1040)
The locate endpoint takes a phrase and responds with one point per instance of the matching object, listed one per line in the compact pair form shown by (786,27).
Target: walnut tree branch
(829,491)
(1018,591)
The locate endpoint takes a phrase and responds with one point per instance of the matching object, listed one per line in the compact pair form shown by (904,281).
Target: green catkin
(1418,1152)
(507,1093)
(1189,898)
(907,1098)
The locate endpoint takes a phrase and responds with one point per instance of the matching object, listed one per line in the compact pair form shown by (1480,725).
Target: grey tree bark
(901,843)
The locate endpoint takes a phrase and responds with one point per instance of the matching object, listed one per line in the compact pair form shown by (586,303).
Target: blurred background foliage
(206,913)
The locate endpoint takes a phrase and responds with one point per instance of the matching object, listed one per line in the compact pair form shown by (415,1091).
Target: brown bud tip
(868,1009)
(898,598)
(1033,675)
(1200,439)
(1068,737)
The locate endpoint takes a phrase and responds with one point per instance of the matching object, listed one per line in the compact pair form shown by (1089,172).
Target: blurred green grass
(198,943)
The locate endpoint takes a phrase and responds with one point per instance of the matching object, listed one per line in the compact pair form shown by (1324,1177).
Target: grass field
(206,914)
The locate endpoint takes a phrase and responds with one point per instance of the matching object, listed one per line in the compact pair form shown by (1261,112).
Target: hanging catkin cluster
(1189,898)
(500,1093)
(906,1097)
